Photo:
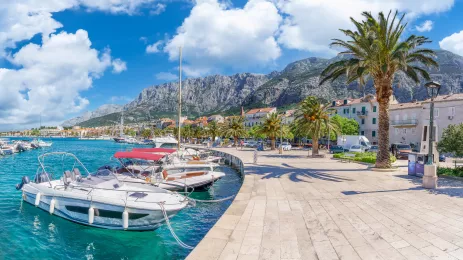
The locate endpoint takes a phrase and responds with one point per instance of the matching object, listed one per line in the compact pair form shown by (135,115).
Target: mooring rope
(210,201)
(161,204)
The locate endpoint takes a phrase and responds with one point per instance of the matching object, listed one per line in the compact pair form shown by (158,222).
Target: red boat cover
(153,150)
(139,155)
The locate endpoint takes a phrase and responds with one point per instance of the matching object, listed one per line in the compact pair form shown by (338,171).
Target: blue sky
(76,55)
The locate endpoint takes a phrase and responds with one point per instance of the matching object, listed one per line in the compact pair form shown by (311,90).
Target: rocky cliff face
(202,96)
(99,112)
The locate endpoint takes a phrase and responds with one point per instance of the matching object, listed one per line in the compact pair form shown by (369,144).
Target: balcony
(404,123)
(362,114)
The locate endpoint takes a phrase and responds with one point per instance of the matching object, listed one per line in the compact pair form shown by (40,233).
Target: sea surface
(27,232)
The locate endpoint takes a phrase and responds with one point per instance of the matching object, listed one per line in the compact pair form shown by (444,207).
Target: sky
(60,58)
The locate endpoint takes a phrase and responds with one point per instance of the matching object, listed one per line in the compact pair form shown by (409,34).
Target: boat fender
(52,206)
(37,199)
(91,215)
(125,219)
(24,180)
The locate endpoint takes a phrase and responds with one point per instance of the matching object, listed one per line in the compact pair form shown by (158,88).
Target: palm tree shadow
(294,174)
(445,185)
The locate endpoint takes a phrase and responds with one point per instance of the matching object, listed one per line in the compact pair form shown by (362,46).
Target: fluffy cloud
(119,66)
(117,6)
(50,78)
(426,26)
(453,43)
(216,34)
(167,76)
(302,28)
(154,48)
(158,9)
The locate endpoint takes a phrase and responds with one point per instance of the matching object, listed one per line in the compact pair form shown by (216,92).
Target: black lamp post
(433,91)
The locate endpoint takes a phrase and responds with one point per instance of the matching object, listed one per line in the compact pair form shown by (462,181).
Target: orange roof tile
(260,110)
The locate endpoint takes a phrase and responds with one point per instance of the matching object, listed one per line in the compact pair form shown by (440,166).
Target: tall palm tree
(312,119)
(271,127)
(213,130)
(376,50)
(234,127)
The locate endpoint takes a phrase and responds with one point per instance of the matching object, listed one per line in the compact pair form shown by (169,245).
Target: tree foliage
(234,127)
(271,127)
(347,126)
(452,140)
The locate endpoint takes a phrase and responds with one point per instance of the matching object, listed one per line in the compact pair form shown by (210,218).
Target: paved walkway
(293,207)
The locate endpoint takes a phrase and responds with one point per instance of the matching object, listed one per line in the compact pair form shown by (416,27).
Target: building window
(363,109)
(436,112)
(452,111)
(353,110)
(373,133)
(374,120)
(363,121)
(374,109)
(362,133)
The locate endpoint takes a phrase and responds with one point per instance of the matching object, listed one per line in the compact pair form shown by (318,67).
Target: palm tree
(271,127)
(234,127)
(375,50)
(213,130)
(312,118)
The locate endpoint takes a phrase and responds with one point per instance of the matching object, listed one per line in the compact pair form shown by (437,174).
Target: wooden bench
(348,157)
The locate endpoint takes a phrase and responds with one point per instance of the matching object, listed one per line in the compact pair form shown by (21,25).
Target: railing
(362,113)
(409,122)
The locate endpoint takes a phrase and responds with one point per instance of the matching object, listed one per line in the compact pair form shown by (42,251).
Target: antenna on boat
(179,96)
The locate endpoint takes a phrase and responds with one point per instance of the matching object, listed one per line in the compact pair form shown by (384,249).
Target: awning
(154,150)
(138,155)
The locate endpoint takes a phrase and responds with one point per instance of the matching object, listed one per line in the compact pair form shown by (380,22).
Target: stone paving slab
(294,207)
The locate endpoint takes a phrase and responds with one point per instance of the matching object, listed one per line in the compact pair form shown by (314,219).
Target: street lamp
(430,169)
(281,137)
(433,90)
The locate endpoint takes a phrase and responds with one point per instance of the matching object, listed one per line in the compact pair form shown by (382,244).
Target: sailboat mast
(179,96)
(121,133)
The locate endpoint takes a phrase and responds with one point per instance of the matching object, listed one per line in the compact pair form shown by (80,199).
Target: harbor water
(27,232)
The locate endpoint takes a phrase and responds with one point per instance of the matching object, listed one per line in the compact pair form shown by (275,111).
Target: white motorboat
(148,168)
(41,143)
(98,199)
(165,142)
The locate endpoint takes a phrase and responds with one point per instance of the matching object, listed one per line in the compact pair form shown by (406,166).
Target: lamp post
(430,169)
(281,137)
(330,112)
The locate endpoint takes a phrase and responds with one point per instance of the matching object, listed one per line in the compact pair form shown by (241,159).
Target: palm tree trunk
(235,139)
(273,143)
(314,146)
(383,159)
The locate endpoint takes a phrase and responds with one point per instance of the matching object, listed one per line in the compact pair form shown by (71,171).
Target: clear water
(27,232)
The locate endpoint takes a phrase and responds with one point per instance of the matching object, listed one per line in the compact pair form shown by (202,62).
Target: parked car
(401,151)
(336,149)
(442,158)
(356,148)
(373,148)
(286,146)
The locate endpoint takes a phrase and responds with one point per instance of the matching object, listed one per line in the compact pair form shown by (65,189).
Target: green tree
(271,127)
(452,140)
(376,50)
(146,133)
(234,127)
(213,130)
(312,119)
(347,126)
(35,132)
(254,133)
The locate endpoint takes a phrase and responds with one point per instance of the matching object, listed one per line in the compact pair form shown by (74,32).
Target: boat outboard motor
(24,180)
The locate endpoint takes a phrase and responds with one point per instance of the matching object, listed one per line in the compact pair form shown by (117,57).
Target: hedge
(366,157)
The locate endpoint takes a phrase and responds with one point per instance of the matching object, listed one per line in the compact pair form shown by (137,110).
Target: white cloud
(167,76)
(158,9)
(119,66)
(453,43)
(52,74)
(311,24)
(426,26)
(118,6)
(154,48)
(215,34)
(144,39)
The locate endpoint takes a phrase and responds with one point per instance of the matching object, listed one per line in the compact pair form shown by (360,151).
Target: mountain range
(283,89)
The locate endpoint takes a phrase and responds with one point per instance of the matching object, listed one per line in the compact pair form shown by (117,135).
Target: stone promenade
(294,207)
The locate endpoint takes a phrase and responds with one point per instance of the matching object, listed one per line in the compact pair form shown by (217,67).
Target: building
(255,116)
(216,118)
(52,131)
(364,111)
(164,122)
(408,120)
(288,117)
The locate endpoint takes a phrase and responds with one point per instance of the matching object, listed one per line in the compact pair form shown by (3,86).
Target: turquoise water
(30,233)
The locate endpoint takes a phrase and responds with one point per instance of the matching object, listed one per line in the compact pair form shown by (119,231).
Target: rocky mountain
(99,112)
(226,94)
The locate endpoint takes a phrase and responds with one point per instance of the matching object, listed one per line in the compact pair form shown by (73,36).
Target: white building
(364,111)
(288,117)
(256,116)
(409,119)
(216,118)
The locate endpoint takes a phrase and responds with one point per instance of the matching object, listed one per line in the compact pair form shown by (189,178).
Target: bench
(348,157)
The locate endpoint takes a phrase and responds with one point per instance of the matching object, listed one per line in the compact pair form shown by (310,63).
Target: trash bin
(412,164)
(419,164)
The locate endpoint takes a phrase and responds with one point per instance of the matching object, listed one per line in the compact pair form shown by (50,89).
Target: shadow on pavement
(294,174)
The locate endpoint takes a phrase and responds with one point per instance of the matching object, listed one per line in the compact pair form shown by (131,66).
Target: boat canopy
(138,155)
(154,150)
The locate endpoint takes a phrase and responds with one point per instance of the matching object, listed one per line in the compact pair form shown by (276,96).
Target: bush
(367,157)
(450,171)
